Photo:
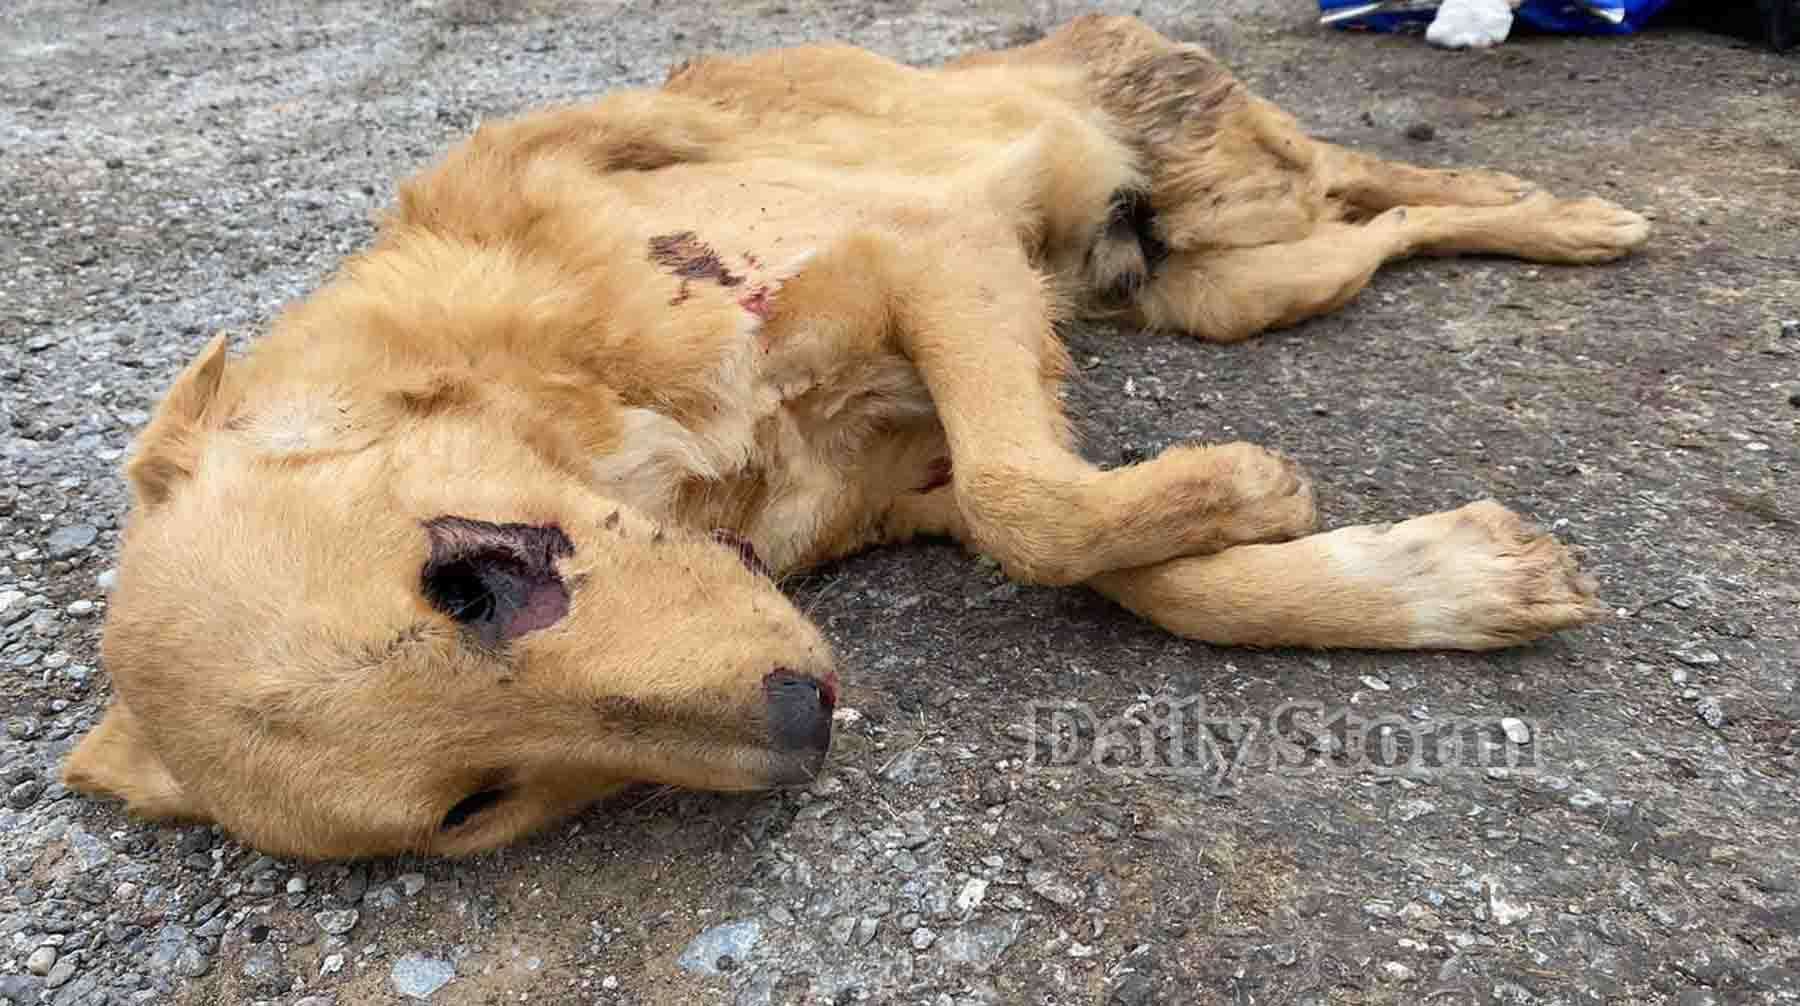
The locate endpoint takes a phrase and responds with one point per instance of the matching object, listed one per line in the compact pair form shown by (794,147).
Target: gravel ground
(171,169)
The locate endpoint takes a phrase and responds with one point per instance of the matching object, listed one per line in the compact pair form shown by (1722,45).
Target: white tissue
(1470,24)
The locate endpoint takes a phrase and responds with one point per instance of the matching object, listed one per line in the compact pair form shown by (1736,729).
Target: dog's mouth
(746,552)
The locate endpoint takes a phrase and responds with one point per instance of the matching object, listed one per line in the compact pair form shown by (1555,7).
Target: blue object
(1566,17)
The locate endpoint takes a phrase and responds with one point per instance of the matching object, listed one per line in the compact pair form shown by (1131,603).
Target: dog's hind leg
(977,326)
(1225,295)
(1475,578)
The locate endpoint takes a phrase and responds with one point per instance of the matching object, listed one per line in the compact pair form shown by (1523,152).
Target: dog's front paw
(1589,231)
(1479,577)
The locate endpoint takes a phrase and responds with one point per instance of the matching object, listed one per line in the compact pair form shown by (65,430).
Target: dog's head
(370,624)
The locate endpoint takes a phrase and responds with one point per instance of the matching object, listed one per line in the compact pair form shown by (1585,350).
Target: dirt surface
(168,170)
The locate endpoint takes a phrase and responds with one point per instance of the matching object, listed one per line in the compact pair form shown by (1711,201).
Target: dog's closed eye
(470,806)
(499,581)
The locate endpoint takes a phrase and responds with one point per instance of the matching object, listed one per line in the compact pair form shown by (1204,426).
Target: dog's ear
(168,450)
(115,759)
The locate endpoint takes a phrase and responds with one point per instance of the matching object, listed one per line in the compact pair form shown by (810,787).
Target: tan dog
(435,565)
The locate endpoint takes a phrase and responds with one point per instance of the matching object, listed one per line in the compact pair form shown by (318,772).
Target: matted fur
(432,566)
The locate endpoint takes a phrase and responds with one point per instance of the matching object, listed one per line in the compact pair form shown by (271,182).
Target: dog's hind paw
(1272,496)
(1127,250)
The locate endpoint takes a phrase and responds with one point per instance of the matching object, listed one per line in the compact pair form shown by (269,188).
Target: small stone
(191,962)
(610,983)
(59,975)
(842,928)
(417,976)
(337,922)
(350,889)
(106,579)
(331,965)
(1394,971)
(66,542)
(923,938)
(971,895)
(1516,729)
(865,930)
(1134,989)
(296,884)
(24,728)
(1372,682)
(411,883)
(1048,885)
(1412,810)
(1502,910)
(1585,798)
(1695,656)
(41,961)
(733,940)
(24,794)
(1711,712)
(1421,132)
(80,609)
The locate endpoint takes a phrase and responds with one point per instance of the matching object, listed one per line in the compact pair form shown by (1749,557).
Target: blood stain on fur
(684,254)
(758,302)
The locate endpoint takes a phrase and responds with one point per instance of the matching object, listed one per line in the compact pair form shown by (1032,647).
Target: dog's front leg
(967,309)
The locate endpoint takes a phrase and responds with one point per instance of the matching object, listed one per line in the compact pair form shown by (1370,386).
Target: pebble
(1375,683)
(80,609)
(337,922)
(66,542)
(923,938)
(41,961)
(1711,712)
(1503,910)
(24,794)
(59,975)
(866,928)
(192,962)
(1694,656)
(1421,132)
(1395,971)
(417,976)
(1516,729)
(411,883)
(1412,810)
(971,895)
(731,940)
(1052,887)
(331,965)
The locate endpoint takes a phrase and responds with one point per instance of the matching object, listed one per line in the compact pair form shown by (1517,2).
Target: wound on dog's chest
(684,254)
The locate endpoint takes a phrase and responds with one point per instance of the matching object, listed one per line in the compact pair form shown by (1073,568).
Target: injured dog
(479,533)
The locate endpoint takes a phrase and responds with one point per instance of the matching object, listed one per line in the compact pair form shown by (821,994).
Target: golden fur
(431,567)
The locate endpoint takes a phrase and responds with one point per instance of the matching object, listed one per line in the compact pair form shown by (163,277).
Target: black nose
(799,710)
